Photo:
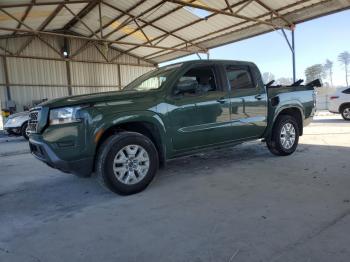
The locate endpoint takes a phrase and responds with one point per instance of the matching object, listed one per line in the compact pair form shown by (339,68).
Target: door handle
(221,100)
(258,97)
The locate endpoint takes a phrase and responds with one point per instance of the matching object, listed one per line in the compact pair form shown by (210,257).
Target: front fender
(109,121)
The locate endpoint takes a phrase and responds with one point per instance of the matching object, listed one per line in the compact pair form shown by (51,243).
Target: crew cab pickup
(125,136)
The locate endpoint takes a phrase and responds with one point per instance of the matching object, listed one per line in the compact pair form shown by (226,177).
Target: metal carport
(56,48)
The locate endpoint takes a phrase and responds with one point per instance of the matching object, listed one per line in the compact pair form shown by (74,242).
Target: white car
(339,103)
(17,124)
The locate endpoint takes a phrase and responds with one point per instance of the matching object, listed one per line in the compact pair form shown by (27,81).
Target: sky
(315,41)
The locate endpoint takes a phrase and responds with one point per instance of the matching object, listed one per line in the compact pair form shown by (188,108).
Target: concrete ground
(236,204)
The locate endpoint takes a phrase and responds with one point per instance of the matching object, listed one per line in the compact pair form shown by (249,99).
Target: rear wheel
(24,131)
(127,163)
(345,113)
(285,136)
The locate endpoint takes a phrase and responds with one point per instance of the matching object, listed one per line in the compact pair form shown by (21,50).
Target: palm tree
(328,67)
(344,58)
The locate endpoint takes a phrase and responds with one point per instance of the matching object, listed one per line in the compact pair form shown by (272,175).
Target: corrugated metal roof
(160,30)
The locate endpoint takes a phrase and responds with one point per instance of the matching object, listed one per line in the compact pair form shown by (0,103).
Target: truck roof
(211,61)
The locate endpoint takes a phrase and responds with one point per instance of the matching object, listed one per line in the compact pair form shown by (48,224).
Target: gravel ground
(235,204)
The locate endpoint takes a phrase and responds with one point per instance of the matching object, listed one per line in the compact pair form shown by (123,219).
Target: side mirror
(187,86)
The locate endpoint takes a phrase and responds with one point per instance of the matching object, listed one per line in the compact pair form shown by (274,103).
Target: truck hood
(94,98)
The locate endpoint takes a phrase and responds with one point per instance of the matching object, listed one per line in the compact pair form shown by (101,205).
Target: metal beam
(119,77)
(96,40)
(25,45)
(292,49)
(222,12)
(49,45)
(229,6)
(293,56)
(80,20)
(5,50)
(119,16)
(287,40)
(101,53)
(15,18)
(127,21)
(81,14)
(85,45)
(151,56)
(43,3)
(267,7)
(69,78)
(25,15)
(50,17)
(100,18)
(155,20)
(146,23)
(7,78)
(248,2)
(75,60)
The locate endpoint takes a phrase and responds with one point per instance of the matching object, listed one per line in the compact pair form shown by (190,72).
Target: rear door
(248,102)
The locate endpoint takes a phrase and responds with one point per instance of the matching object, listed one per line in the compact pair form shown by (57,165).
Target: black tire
(24,131)
(106,156)
(274,143)
(345,112)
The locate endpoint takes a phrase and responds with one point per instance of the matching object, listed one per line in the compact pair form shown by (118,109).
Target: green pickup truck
(125,136)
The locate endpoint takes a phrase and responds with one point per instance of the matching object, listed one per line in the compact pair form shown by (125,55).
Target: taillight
(334,97)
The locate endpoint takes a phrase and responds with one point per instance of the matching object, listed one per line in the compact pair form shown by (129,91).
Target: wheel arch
(151,128)
(25,122)
(295,111)
(343,105)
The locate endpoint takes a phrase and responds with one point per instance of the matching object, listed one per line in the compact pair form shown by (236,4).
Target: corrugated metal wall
(128,73)
(2,80)
(46,78)
(2,91)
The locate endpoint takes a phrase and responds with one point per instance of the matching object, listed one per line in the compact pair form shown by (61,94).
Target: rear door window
(239,78)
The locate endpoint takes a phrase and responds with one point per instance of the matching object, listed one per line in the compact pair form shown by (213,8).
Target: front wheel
(345,113)
(24,131)
(127,163)
(285,136)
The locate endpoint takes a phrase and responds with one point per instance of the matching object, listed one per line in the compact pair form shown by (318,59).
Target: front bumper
(13,130)
(81,167)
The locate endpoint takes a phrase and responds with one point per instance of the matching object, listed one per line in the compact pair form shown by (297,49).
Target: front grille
(33,121)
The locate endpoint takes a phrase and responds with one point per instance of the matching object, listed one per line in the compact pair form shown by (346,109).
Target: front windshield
(150,81)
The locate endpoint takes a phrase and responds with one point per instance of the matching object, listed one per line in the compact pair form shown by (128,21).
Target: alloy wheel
(131,164)
(287,136)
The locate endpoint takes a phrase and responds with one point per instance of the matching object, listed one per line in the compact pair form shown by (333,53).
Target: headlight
(11,121)
(64,115)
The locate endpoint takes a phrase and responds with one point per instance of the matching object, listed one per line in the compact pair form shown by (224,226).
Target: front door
(200,117)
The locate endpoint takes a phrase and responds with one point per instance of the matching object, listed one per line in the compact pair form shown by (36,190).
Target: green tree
(344,59)
(328,68)
(314,72)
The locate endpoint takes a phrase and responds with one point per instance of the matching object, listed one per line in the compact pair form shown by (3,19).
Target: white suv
(340,103)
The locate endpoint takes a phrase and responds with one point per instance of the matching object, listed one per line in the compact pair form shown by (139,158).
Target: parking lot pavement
(13,145)
(236,204)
